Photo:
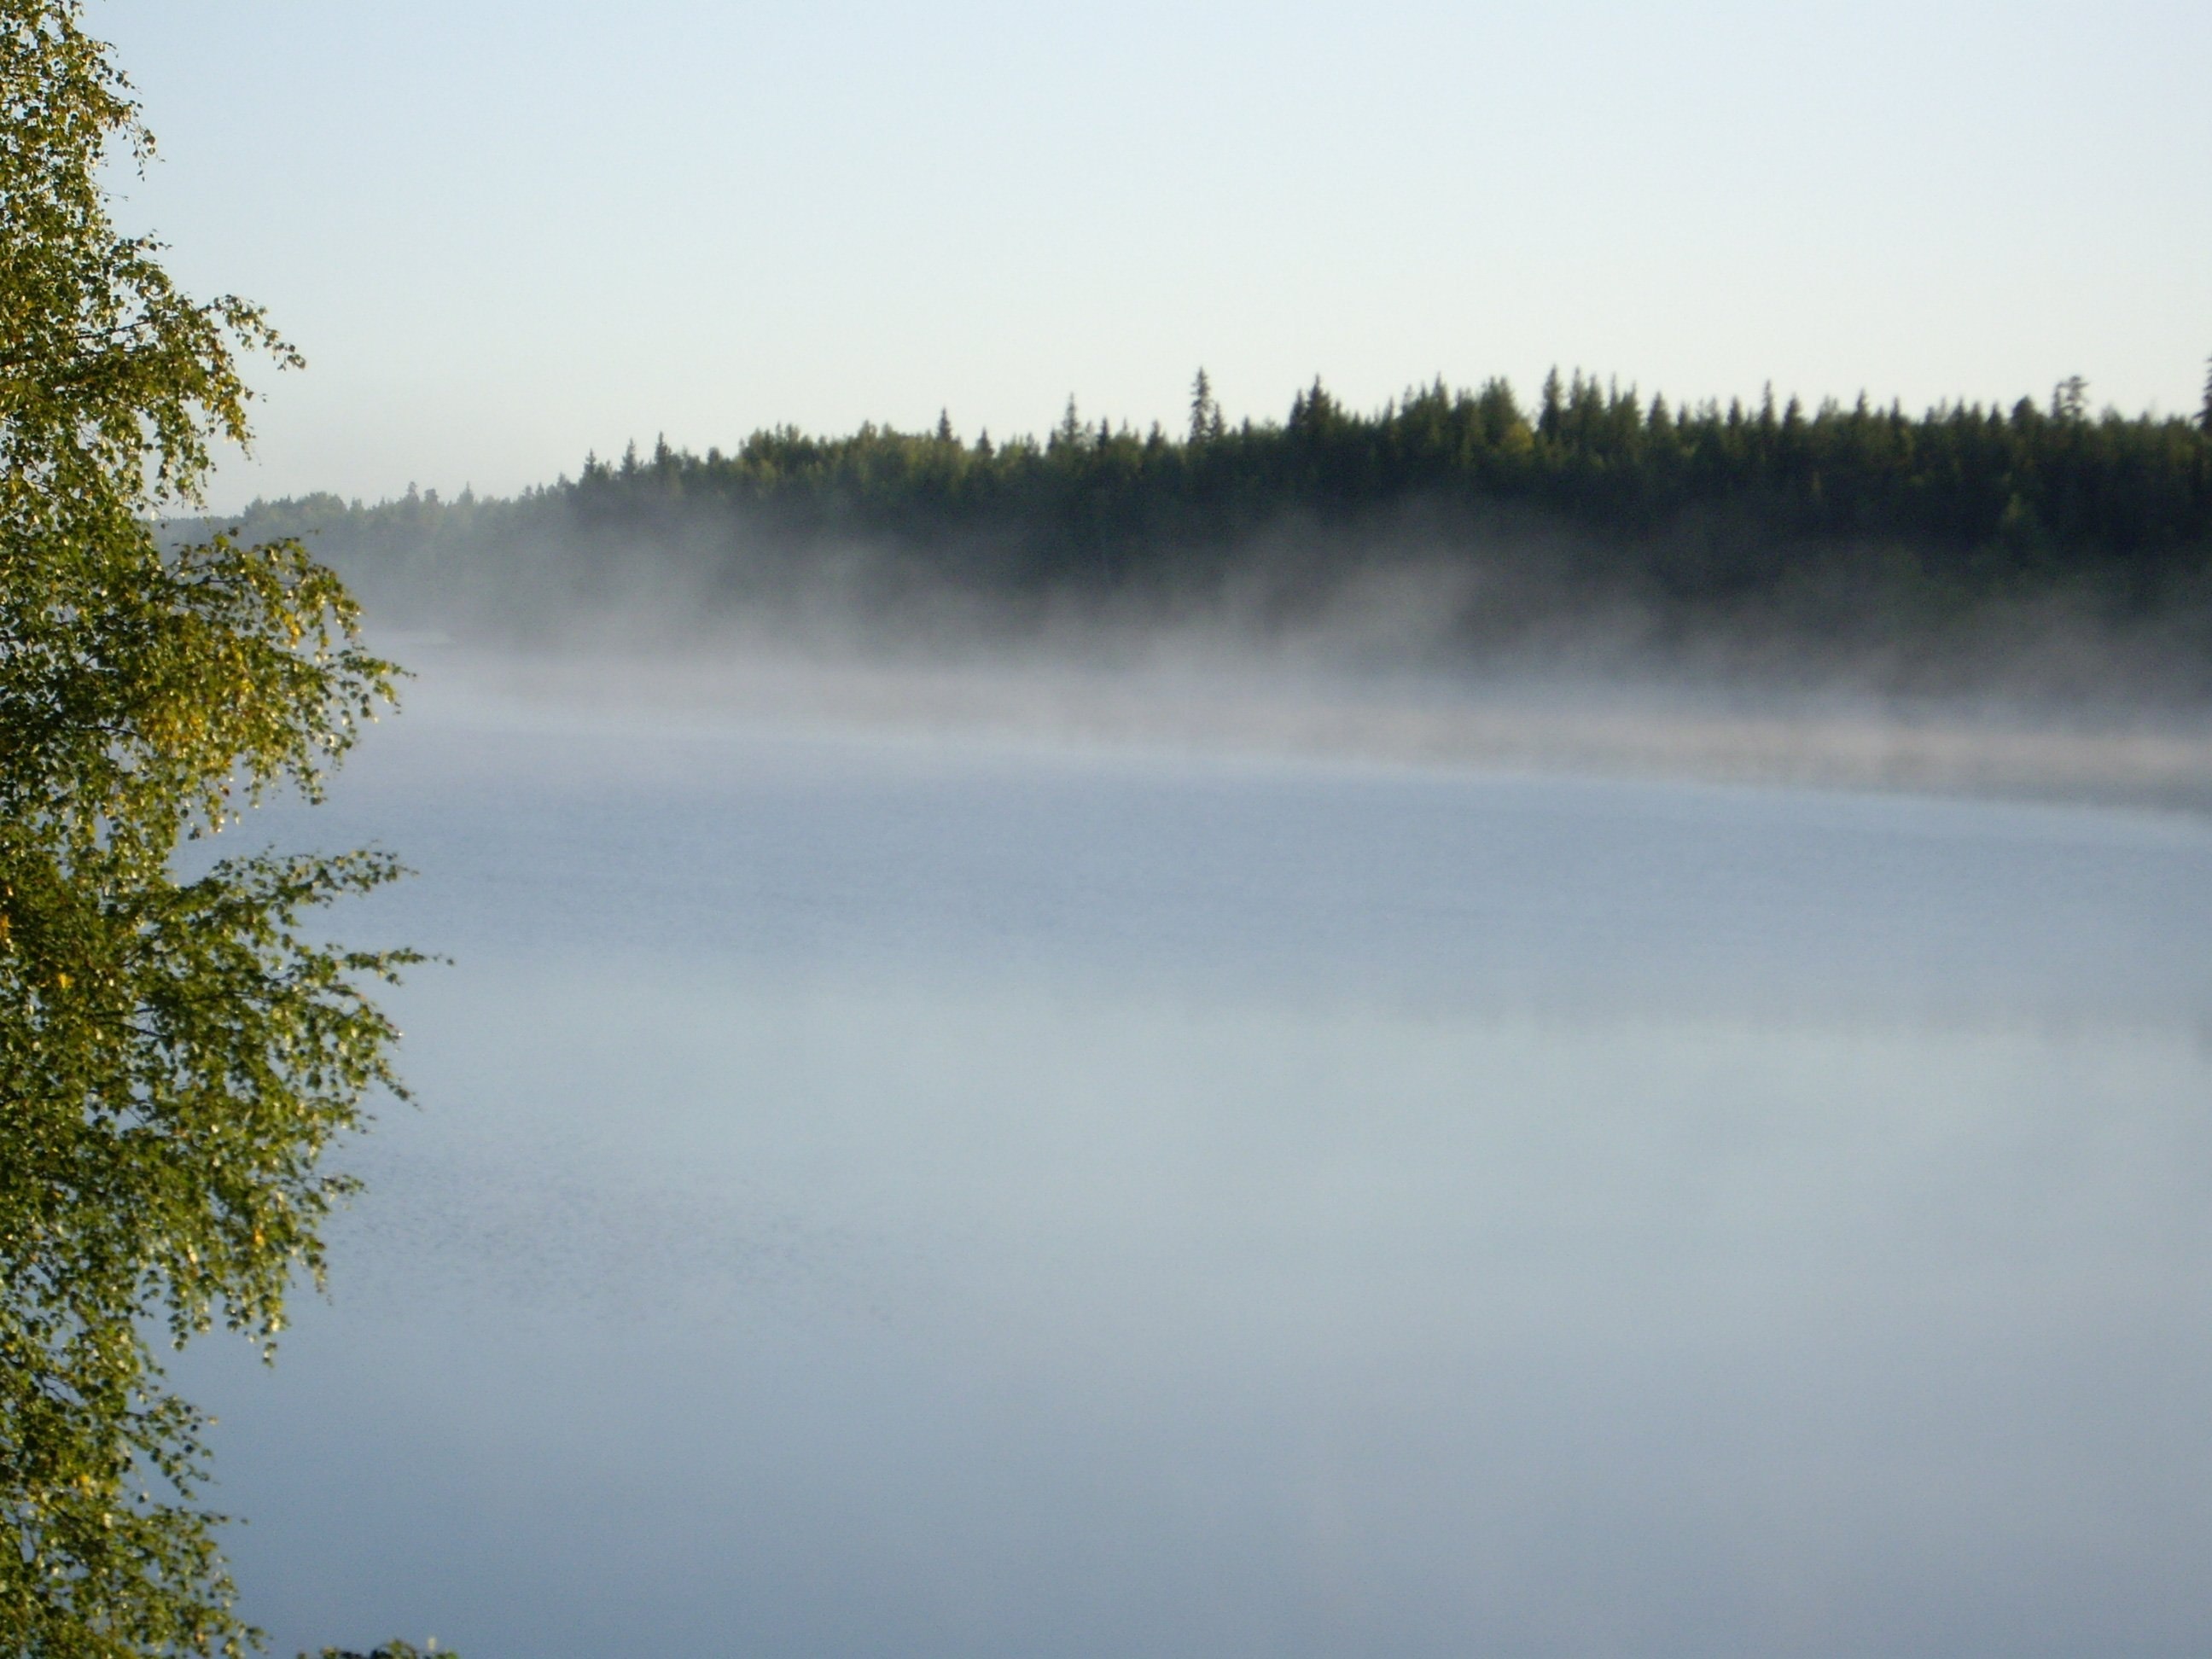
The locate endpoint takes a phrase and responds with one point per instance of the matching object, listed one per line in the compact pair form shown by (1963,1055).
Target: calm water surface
(874,1197)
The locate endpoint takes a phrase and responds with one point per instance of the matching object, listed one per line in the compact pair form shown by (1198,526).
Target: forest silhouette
(1850,525)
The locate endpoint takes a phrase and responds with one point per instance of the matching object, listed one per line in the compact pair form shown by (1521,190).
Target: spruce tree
(1204,412)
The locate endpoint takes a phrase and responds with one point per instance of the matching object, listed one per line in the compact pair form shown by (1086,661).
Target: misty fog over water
(889,1182)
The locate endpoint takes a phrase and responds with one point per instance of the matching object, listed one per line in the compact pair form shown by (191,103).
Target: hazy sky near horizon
(505,234)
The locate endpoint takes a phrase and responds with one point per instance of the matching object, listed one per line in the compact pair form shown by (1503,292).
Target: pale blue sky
(507,233)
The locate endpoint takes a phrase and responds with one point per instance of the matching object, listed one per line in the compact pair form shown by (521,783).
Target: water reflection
(880,1199)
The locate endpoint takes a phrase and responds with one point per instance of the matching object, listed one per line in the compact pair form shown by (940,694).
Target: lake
(878,1193)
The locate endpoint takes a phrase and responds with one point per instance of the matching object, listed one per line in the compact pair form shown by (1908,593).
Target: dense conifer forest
(1844,522)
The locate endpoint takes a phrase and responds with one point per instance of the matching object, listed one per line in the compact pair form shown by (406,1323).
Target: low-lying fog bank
(1494,633)
(1204,693)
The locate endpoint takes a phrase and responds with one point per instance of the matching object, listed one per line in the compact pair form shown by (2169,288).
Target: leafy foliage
(175,1054)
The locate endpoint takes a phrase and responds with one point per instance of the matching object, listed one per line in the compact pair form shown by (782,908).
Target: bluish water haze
(882,1195)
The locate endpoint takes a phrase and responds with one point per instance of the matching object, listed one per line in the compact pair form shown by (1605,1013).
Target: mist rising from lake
(883,1191)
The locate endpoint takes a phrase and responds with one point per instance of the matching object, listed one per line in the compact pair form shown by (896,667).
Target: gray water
(883,1196)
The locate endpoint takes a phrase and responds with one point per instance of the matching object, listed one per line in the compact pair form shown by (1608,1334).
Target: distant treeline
(1852,515)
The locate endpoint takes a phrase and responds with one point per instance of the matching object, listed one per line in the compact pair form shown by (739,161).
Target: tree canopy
(175,1053)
